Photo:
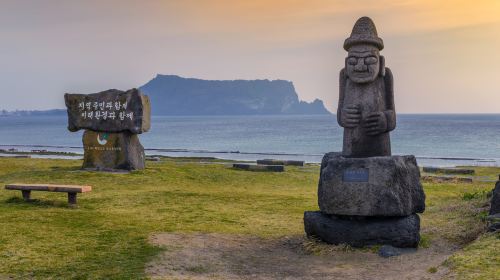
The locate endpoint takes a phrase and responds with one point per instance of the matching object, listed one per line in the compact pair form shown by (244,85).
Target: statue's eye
(371,60)
(352,61)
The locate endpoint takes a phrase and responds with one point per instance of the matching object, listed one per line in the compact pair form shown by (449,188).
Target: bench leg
(72,198)
(26,195)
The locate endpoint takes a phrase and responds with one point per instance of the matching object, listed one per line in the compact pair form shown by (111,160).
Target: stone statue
(366,196)
(366,98)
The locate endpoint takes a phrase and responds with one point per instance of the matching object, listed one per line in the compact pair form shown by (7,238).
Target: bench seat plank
(49,188)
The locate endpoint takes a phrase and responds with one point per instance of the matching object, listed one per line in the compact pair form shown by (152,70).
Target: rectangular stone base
(112,151)
(363,231)
(375,186)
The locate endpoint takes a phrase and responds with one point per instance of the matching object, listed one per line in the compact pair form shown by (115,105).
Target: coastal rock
(363,231)
(112,151)
(495,199)
(174,95)
(375,186)
(260,167)
(460,171)
(280,162)
(109,111)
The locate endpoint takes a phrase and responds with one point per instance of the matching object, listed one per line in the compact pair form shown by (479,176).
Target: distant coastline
(62,112)
(27,113)
(172,95)
(435,139)
(76,152)
(175,95)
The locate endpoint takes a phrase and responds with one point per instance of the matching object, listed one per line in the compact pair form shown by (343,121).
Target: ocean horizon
(435,139)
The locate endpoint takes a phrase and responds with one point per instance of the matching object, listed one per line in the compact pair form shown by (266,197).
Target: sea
(436,140)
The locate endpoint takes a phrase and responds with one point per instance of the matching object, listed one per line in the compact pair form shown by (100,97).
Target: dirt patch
(222,256)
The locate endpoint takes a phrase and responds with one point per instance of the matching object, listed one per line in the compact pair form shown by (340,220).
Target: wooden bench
(72,190)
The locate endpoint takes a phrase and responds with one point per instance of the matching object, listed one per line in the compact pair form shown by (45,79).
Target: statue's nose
(360,66)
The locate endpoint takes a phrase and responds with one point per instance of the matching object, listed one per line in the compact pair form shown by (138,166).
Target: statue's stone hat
(364,32)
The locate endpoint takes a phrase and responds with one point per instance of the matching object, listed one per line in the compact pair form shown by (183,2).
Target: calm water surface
(435,139)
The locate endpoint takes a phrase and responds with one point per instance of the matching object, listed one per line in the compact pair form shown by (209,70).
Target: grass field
(105,237)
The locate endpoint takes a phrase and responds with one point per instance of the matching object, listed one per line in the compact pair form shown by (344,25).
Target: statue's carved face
(362,64)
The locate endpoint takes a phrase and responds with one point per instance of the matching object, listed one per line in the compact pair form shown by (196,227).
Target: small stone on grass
(387,251)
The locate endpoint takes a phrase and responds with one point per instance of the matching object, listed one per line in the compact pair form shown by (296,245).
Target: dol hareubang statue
(366,98)
(366,196)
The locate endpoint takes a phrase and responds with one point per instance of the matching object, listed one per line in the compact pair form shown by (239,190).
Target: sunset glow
(443,53)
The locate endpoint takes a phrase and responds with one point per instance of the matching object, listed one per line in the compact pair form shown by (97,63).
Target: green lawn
(106,236)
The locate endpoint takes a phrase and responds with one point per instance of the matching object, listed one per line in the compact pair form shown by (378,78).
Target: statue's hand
(351,116)
(375,123)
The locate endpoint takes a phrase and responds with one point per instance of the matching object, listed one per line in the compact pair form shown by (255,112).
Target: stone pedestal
(358,232)
(372,186)
(368,201)
(112,151)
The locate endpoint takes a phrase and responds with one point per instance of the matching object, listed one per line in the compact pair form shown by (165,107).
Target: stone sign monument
(111,119)
(365,195)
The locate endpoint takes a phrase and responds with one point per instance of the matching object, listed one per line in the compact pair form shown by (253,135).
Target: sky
(445,55)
